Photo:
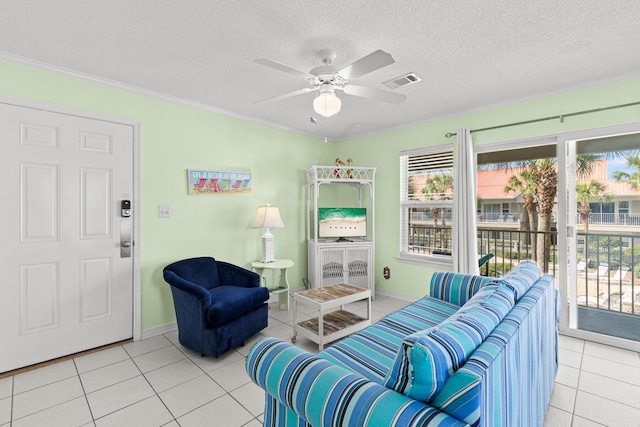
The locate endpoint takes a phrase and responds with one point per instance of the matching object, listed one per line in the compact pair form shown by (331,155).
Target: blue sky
(617,164)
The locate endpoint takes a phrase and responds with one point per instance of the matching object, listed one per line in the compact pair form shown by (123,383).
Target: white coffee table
(333,322)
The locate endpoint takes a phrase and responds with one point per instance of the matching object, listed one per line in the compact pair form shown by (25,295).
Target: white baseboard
(158,330)
(396,295)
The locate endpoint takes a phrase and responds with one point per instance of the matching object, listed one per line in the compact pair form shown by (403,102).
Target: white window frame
(438,261)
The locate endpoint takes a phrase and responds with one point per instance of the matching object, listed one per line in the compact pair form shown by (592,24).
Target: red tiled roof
(491,183)
(600,173)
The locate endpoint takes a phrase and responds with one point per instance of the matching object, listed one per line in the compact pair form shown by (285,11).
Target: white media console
(334,262)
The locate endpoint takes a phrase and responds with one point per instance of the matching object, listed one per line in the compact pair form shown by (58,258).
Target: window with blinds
(426,203)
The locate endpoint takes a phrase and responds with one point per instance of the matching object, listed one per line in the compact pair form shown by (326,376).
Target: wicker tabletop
(331,293)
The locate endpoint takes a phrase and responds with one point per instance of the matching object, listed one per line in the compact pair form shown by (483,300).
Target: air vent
(407,79)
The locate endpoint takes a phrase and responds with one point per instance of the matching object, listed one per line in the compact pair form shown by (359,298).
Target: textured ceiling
(470,54)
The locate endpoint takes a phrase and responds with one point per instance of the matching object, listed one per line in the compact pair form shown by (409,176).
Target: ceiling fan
(326,79)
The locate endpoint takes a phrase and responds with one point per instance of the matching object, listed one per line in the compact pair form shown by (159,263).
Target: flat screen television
(342,223)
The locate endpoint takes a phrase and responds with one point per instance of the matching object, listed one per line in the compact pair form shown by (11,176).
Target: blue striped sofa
(477,351)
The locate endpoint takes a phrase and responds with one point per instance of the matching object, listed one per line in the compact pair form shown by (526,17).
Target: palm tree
(438,187)
(525,185)
(633,179)
(429,191)
(545,176)
(585,193)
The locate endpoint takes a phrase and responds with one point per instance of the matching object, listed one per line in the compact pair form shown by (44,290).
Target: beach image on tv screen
(342,222)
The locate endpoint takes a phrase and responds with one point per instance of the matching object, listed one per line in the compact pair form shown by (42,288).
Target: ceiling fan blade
(279,66)
(377,94)
(366,64)
(286,95)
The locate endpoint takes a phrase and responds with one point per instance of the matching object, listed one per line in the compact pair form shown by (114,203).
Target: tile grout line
(575,397)
(13,387)
(102,388)
(151,386)
(608,400)
(573,413)
(48,407)
(86,398)
(206,374)
(177,385)
(120,382)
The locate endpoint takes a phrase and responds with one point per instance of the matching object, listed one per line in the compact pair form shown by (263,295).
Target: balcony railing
(498,217)
(427,216)
(612,219)
(429,240)
(509,247)
(606,274)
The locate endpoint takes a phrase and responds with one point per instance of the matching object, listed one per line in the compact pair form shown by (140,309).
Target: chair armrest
(197,291)
(456,288)
(232,275)
(325,394)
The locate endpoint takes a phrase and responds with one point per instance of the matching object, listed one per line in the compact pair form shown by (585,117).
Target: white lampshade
(327,104)
(268,217)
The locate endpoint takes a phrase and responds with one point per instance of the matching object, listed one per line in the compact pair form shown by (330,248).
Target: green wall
(383,151)
(175,138)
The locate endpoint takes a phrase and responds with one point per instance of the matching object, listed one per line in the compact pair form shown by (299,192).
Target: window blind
(430,162)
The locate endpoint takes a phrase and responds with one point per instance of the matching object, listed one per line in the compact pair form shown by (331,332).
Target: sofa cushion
(521,278)
(456,288)
(427,358)
(499,303)
(229,302)
(371,352)
(479,298)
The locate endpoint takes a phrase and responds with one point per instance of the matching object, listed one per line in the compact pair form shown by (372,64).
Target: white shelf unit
(332,262)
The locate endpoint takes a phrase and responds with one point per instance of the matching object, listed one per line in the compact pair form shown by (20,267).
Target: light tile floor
(157,382)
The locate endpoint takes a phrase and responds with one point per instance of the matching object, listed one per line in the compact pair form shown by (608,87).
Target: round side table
(282,287)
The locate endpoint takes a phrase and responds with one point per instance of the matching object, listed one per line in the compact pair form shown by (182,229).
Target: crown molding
(21,60)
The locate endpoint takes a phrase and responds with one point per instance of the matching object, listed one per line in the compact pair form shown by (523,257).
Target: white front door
(66,285)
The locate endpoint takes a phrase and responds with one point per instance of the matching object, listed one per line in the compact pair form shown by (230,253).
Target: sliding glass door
(603,236)
(574,204)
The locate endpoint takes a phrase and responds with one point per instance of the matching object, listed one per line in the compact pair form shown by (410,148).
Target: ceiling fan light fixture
(327,104)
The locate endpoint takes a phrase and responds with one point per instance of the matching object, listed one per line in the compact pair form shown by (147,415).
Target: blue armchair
(218,305)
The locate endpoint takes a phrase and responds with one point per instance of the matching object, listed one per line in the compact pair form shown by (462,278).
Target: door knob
(126,244)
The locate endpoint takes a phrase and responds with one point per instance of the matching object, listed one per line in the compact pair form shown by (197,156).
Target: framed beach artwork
(219,182)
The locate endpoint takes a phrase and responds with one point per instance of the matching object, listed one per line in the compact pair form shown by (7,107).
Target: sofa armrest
(197,291)
(456,288)
(233,275)
(323,394)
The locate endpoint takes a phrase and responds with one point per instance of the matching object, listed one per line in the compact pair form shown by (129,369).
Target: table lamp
(268,217)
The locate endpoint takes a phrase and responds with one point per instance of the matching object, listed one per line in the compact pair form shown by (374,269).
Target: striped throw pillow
(428,358)
(521,278)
